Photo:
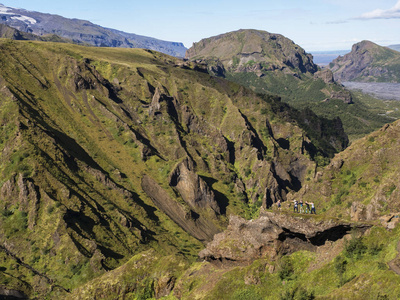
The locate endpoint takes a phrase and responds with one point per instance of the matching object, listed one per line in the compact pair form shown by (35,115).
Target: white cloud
(392,13)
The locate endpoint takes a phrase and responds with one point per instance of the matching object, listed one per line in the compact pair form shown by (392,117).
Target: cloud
(392,13)
(337,22)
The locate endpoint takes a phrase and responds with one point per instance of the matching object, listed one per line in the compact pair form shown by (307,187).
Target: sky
(315,25)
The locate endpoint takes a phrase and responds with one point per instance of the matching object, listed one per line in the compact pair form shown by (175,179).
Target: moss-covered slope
(106,153)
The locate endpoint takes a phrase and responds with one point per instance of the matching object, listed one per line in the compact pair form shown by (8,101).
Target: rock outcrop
(272,235)
(187,218)
(192,188)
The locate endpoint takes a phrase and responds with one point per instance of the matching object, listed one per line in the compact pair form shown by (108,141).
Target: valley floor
(380,90)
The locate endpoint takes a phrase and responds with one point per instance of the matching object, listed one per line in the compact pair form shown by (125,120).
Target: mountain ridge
(83,31)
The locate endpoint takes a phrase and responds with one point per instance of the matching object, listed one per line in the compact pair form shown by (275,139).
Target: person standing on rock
(308,210)
(312,208)
(295,208)
(279,204)
(301,206)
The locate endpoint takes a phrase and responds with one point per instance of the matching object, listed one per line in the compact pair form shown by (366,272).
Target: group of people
(310,207)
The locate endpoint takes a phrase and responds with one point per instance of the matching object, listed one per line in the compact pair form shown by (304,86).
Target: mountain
(130,173)
(81,31)
(111,155)
(367,62)
(253,51)
(267,63)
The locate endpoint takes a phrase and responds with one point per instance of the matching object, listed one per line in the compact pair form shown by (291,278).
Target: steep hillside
(361,183)
(367,62)
(81,31)
(106,153)
(349,250)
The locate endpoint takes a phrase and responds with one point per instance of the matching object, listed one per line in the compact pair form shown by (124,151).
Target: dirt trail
(394,264)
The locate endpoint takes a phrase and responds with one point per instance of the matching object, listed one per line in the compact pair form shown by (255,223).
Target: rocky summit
(367,62)
(253,51)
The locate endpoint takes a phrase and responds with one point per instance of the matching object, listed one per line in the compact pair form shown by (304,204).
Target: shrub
(286,269)
(354,248)
(340,265)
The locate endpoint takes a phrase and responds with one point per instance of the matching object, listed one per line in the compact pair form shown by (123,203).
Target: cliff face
(367,62)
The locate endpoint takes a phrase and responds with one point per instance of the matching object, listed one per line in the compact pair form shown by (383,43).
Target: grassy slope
(367,176)
(115,150)
(353,268)
(75,120)
(335,272)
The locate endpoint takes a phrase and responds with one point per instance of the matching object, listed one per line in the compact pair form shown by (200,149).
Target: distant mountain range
(323,58)
(394,47)
(81,31)
(367,62)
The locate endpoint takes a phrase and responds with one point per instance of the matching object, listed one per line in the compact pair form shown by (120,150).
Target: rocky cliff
(367,62)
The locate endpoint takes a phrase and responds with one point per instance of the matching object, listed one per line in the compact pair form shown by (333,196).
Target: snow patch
(5,10)
(24,19)
(8,11)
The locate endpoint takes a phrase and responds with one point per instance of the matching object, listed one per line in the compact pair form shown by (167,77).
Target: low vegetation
(82,128)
